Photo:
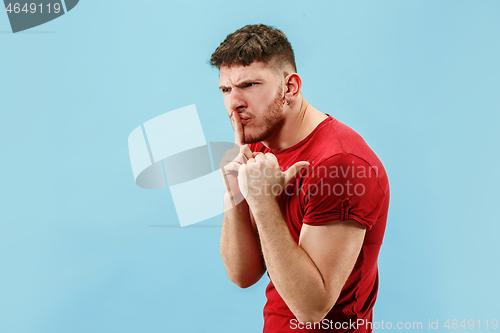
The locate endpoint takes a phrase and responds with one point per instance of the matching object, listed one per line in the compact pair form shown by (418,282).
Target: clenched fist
(261,179)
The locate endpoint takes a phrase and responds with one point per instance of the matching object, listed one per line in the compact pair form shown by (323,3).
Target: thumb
(293,170)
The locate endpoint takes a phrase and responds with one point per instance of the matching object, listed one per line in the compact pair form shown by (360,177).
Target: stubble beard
(273,119)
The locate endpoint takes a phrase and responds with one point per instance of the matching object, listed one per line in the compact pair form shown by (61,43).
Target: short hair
(257,42)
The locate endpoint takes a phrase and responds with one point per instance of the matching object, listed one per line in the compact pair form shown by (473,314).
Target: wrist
(264,206)
(231,201)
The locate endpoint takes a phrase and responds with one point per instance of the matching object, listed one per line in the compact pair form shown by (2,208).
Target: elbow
(245,278)
(241,281)
(311,317)
(243,285)
(314,315)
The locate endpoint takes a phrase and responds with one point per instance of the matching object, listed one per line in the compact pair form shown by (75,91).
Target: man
(307,200)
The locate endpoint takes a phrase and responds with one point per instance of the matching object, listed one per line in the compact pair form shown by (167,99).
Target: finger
(232,152)
(239,136)
(250,161)
(241,154)
(271,156)
(293,170)
(240,159)
(242,180)
(246,151)
(228,158)
(259,157)
(231,167)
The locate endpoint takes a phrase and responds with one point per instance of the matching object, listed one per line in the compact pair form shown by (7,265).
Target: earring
(289,101)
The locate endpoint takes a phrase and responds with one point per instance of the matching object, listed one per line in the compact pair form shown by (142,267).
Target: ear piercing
(289,101)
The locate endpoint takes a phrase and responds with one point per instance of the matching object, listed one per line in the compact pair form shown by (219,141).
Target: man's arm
(309,276)
(240,245)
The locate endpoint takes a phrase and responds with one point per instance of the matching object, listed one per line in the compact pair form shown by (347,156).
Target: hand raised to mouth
(239,134)
(234,159)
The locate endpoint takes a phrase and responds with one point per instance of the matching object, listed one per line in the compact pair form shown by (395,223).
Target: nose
(236,100)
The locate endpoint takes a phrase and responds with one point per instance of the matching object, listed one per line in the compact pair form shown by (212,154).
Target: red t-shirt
(345,181)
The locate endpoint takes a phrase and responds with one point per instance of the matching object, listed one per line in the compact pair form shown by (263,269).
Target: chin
(255,138)
(251,139)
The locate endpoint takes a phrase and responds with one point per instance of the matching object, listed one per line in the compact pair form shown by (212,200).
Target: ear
(293,83)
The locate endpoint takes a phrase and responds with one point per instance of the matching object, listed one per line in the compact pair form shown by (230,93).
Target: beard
(272,121)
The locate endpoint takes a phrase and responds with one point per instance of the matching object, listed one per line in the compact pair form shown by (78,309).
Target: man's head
(256,63)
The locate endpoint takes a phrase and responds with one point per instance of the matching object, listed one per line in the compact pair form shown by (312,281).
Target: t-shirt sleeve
(343,187)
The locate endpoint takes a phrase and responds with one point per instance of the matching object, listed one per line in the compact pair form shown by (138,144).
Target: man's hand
(261,179)
(233,160)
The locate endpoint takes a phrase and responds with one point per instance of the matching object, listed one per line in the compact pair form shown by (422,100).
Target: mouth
(244,119)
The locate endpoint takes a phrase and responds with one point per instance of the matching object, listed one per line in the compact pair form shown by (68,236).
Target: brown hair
(251,43)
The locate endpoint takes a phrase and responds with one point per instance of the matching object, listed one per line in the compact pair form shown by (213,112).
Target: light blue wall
(83,249)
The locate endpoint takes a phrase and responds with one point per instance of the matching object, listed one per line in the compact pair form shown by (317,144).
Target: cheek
(262,101)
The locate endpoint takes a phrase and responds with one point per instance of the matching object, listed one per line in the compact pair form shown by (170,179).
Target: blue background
(83,249)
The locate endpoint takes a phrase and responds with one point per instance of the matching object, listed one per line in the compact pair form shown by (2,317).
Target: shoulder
(345,154)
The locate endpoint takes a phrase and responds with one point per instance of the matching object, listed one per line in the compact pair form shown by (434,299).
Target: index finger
(239,136)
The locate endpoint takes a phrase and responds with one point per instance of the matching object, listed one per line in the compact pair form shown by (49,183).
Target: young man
(309,198)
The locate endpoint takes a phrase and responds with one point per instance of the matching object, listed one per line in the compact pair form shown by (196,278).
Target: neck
(300,120)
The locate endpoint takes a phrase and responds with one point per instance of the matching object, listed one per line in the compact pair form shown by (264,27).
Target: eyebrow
(242,83)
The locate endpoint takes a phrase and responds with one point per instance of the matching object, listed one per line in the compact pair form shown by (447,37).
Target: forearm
(294,274)
(240,246)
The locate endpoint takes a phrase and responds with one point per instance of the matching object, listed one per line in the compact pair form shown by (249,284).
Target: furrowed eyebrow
(242,83)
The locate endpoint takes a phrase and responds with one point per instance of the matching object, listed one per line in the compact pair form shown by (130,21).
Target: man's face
(254,92)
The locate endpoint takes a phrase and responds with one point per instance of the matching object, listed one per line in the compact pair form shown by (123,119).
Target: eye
(250,84)
(225,90)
